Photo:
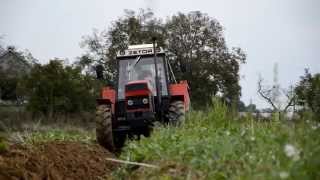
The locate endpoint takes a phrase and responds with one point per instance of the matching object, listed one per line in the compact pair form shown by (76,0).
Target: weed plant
(32,133)
(212,145)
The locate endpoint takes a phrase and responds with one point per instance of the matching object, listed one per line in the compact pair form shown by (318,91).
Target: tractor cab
(141,66)
(138,80)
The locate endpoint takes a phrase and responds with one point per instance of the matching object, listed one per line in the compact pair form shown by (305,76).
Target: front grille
(137,103)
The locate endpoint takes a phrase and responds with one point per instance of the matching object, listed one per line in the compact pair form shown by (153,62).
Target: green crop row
(212,145)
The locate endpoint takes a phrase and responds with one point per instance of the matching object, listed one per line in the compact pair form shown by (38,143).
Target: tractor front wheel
(176,114)
(104,127)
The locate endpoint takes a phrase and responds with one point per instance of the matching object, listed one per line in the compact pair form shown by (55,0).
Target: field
(208,145)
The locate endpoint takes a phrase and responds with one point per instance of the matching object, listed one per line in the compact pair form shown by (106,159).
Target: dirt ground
(55,160)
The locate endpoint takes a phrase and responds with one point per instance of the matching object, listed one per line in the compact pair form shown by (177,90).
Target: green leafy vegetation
(308,93)
(60,135)
(211,145)
(3,144)
(31,133)
(59,89)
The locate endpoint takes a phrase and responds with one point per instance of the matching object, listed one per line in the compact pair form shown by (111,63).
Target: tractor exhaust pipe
(157,75)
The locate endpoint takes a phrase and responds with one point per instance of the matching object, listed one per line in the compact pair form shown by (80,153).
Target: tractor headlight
(130,102)
(145,100)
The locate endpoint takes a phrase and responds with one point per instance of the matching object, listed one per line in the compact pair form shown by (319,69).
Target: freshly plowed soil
(55,160)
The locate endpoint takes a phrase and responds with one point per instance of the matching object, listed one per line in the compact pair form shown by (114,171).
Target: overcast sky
(270,31)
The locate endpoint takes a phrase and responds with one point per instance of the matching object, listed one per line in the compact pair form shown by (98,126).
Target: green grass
(210,145)
(3,145)
(36,132)
(60,135)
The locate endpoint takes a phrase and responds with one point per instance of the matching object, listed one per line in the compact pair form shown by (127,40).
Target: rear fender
(180,92)
(108,96)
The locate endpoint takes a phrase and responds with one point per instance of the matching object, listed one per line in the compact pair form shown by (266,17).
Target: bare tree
(267,93)
(291,98)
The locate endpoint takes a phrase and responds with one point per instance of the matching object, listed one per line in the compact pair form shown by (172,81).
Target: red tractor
(146,92)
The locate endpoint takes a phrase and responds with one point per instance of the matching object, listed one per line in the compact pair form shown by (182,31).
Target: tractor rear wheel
(176,114)
(104,127)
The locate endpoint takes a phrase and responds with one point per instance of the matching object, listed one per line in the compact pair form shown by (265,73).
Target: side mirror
(99,72)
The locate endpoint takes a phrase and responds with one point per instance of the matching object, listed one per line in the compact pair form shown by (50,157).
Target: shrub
(55,88)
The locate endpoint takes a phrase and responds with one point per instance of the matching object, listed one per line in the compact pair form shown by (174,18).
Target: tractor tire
(104,133)
(177,113)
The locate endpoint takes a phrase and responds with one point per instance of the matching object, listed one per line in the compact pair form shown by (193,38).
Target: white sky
(282,31)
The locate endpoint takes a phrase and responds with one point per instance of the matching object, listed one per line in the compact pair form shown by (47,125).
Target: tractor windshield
(141,68)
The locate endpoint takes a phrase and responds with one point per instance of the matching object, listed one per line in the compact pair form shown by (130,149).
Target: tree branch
(290,98)
(263,95)
(289,104)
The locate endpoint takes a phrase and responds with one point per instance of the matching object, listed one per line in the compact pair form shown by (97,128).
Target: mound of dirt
(55,160)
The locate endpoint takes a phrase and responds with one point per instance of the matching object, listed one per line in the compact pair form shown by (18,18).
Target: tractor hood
(138,88)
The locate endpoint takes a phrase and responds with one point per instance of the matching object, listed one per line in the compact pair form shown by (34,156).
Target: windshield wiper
(132,66)
(137,61)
